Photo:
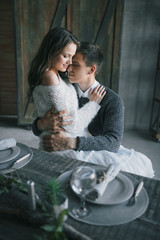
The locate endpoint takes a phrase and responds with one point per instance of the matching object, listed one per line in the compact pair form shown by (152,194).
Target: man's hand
(58,142)
(54,122)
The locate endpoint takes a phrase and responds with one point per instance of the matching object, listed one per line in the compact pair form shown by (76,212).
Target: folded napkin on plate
(7,143)
(111,173)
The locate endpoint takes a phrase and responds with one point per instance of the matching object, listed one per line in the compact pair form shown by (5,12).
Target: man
(108,125)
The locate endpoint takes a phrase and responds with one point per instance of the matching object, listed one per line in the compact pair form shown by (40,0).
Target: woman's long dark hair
(52,44)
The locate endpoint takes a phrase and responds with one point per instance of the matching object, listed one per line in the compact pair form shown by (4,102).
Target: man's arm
(59,141)
(35,128)
(107,128)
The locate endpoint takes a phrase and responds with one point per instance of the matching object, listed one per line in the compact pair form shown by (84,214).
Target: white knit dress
(64,96)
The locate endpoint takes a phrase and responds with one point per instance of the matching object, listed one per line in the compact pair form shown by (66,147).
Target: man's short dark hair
(92,54)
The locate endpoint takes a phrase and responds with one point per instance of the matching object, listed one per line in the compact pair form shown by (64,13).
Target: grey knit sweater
(107,127)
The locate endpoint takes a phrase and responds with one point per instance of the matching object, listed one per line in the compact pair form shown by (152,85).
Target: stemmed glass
(83,181)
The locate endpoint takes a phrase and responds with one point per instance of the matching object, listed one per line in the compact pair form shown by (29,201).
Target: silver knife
(20,159)
(12,167)
(138,189)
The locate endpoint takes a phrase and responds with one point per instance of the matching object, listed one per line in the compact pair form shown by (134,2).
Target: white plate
(24,149)
(107,215)
(9,154)
(117,191)
(111,215)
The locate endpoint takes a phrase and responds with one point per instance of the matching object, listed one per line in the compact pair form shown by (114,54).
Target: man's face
(78,71)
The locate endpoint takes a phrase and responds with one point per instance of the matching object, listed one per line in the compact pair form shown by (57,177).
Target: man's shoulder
(112,94)
(112,99)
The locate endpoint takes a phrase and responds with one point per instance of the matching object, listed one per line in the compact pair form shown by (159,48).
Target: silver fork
(137,191)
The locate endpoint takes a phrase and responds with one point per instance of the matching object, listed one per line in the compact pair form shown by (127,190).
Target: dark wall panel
(139,52)
(7,60)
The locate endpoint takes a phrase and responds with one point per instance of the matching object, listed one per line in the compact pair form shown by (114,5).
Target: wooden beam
(105,22)
(59,14)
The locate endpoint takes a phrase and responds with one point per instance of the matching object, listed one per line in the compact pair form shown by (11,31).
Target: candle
(31,195)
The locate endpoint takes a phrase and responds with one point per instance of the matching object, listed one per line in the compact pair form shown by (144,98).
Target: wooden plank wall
(84,18)
(32,21)
(99,22)
(7,60)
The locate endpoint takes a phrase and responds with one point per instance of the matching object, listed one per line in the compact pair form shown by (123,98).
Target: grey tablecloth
(45,166)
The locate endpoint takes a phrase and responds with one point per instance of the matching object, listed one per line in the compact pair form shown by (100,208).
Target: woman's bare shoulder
(49,78)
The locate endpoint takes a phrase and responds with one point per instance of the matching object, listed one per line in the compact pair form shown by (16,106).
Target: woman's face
(64,59)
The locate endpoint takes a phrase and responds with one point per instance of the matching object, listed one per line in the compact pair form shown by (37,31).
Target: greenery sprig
(53,228)
(55,192)
(8,183)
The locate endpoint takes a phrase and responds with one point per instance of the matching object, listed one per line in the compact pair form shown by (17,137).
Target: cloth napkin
(7,143)
(112,172)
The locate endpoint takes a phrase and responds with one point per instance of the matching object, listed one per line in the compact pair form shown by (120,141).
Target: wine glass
(83,181)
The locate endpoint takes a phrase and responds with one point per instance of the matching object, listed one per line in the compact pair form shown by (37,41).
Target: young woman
(49,86)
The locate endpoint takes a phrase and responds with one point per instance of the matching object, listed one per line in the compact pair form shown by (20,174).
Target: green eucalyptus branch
(55,192)
(7,183)
(53,229)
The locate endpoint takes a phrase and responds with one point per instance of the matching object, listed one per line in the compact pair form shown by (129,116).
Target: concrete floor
(142,141)
(139,140)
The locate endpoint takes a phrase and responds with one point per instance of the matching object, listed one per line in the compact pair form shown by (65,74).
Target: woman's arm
(63,98)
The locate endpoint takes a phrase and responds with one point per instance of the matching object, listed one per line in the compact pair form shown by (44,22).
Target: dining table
(45,166)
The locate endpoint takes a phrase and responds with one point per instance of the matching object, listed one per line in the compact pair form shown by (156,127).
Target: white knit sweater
(64,97)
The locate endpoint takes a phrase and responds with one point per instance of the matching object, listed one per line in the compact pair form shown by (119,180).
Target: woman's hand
(97,94)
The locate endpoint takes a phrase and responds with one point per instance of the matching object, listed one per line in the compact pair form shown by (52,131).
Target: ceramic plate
(110,215)
(118,191)
(9,154)
(24,149)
